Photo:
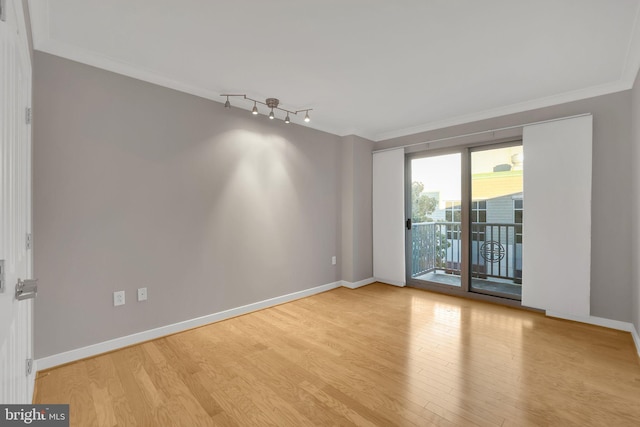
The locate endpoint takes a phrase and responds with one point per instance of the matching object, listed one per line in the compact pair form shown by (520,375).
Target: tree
(429,237)
(421,204)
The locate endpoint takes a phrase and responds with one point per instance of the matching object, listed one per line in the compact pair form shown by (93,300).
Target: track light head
(227,104)
(271,116)
(287,119)
(254,111)
(306,117)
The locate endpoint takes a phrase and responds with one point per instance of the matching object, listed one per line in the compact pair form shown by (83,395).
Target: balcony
(496,256)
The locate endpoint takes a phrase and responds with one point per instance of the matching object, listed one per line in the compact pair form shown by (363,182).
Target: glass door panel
(497,207)
(436,227)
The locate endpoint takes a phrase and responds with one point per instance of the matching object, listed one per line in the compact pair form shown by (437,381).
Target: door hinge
(3,9)
(29,366)
(26,289)
(29,241)
(28,115)
(1,275)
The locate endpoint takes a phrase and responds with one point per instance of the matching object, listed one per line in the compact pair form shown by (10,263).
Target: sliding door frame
(423,284)
(465,277)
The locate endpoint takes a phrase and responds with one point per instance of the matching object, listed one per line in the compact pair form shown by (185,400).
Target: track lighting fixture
(273,104)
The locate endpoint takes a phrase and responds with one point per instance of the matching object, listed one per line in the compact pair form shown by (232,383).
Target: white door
(16,385)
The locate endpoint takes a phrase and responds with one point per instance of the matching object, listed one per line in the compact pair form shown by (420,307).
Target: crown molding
(548,101)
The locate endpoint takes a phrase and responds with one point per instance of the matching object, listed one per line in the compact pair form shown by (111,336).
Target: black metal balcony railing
(496,249)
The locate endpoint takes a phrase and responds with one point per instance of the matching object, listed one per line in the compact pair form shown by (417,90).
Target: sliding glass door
(497,208)
(435,225)
(464,220)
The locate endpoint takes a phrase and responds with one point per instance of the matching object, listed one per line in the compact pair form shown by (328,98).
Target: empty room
(319,213)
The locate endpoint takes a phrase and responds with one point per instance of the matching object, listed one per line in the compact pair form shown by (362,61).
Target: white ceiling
(374,68)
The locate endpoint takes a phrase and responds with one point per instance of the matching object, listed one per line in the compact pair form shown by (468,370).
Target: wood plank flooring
(374,356)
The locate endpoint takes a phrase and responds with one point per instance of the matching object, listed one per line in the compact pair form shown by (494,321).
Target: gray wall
(363,208)
(357,218)
(635,111)
(611,271)
(138,185)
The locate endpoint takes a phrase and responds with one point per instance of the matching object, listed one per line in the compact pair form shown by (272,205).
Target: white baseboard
(114,344)
(593,320)
(390,282)
(600,321)
(355,285)
(636,338)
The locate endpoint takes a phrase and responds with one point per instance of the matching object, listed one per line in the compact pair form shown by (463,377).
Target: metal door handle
(26,289)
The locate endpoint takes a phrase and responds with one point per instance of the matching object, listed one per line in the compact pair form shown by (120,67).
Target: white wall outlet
(118,298)
(333,260)
(142,294)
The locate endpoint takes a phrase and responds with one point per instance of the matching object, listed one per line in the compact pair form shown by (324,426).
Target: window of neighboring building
(517,218)
(453,213)
(478,215)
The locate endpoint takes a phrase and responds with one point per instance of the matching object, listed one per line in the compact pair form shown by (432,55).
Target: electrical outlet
(142,294)
(118,298)
(333,260)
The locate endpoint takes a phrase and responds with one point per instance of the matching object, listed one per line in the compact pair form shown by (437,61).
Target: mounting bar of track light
(272,103)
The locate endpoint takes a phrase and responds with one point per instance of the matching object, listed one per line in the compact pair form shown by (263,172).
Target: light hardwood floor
(375,356)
